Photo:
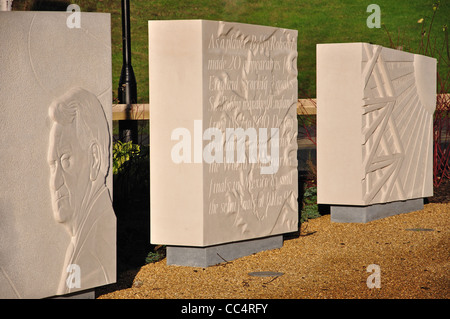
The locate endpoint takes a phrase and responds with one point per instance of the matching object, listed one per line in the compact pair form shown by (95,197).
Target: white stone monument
(6,5)
(57,224)
(374,130)
(223,136)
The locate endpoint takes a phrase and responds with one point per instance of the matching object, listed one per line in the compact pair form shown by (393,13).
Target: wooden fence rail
(137,112)
(142,111)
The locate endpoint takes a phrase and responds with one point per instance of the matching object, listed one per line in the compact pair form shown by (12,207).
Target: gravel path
(327,260)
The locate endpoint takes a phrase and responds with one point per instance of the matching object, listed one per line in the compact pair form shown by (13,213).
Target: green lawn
(316,21)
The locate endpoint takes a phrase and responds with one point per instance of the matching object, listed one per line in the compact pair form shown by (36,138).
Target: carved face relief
(78,157)
(69,171)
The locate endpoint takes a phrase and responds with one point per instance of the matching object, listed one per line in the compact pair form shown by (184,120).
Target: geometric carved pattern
(396,128)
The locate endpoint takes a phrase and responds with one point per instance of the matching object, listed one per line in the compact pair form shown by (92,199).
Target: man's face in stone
(69,172)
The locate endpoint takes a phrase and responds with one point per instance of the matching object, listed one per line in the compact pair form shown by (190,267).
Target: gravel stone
(326,260)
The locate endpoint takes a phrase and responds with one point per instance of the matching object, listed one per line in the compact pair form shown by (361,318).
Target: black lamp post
(127,83)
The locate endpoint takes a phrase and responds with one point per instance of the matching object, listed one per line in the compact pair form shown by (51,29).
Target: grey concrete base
(85,294)
(364,214)
(212,255)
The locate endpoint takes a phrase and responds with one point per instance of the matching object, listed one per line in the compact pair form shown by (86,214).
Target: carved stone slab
(57,225)
(375,123)
(223,131)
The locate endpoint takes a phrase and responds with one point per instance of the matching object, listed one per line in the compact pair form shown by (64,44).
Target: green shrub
(123,152)
(310,208)
(155,256)
(131,172)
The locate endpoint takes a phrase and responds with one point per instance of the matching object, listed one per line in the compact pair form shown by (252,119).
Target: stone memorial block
(374,130)
(223,129)
(57,224)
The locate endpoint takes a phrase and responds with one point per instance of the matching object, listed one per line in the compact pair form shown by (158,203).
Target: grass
(316,21)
